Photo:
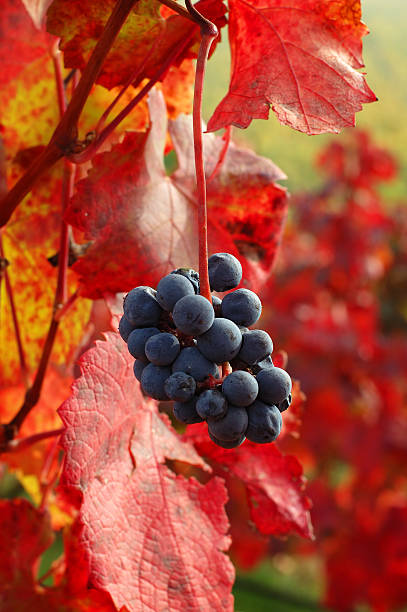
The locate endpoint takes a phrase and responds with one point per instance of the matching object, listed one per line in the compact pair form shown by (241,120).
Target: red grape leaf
(144,226)
(274,482)
(302,58)
(145,31)
(243,196)
(152,540)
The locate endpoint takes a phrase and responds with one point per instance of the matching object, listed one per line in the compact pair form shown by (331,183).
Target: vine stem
(89,152)
(22,443)
(208,32)
(66,131)
(9,292)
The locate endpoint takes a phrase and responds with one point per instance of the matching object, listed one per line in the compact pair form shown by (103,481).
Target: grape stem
(23,443)
(89,152)
(9,292)
(208,32)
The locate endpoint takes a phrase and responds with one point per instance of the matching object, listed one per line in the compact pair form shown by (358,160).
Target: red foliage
(148,535)
(302,58)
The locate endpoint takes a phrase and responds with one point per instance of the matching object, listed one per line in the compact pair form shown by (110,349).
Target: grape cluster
(204,357)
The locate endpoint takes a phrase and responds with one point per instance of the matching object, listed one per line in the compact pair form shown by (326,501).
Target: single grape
(256,345)
(211,404)
(138,368)
(162,349)
(285,403)
(191,275)
(193,314)
(242,306)
(225,271)
(192,362)
(137,340)
(180,387)
(125,328)
(240,388)
(264,423)
(141,308)
(186,412)
(232,426)
(225,443)
(274,385)
(153,379)
(264,364)
(221,342)
(172,288)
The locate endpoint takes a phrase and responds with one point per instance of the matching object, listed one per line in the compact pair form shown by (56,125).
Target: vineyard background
(291,581)
(337,304)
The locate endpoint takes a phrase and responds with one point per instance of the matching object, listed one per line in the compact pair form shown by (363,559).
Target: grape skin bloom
(225,271)
(221,342)
(192,362)
(172,288)
(193,315)
(264,423)
(180,387)
(141,307)
(211,404)
(242,306)
(162,349)
(232,426)
(240,388)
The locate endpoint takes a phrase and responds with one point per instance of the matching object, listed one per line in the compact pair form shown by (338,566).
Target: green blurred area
(283,584)
(385,52)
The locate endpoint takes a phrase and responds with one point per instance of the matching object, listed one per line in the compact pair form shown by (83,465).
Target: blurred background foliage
(289,582)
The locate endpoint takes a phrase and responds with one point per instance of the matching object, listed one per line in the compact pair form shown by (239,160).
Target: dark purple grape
(138,368)
(191,275)
(180,387)
(153,380)
(264,423)
(141,308)
(162,349)
(240,388)
(193,315)
(137,340)
(186,412)
(125,328)
(225,271)
(172,288)
(192,362)
(211,404)
(285,403)
(221,342)
(256,345)
(274,385)
(242,306)
(229,443)
(232,426)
